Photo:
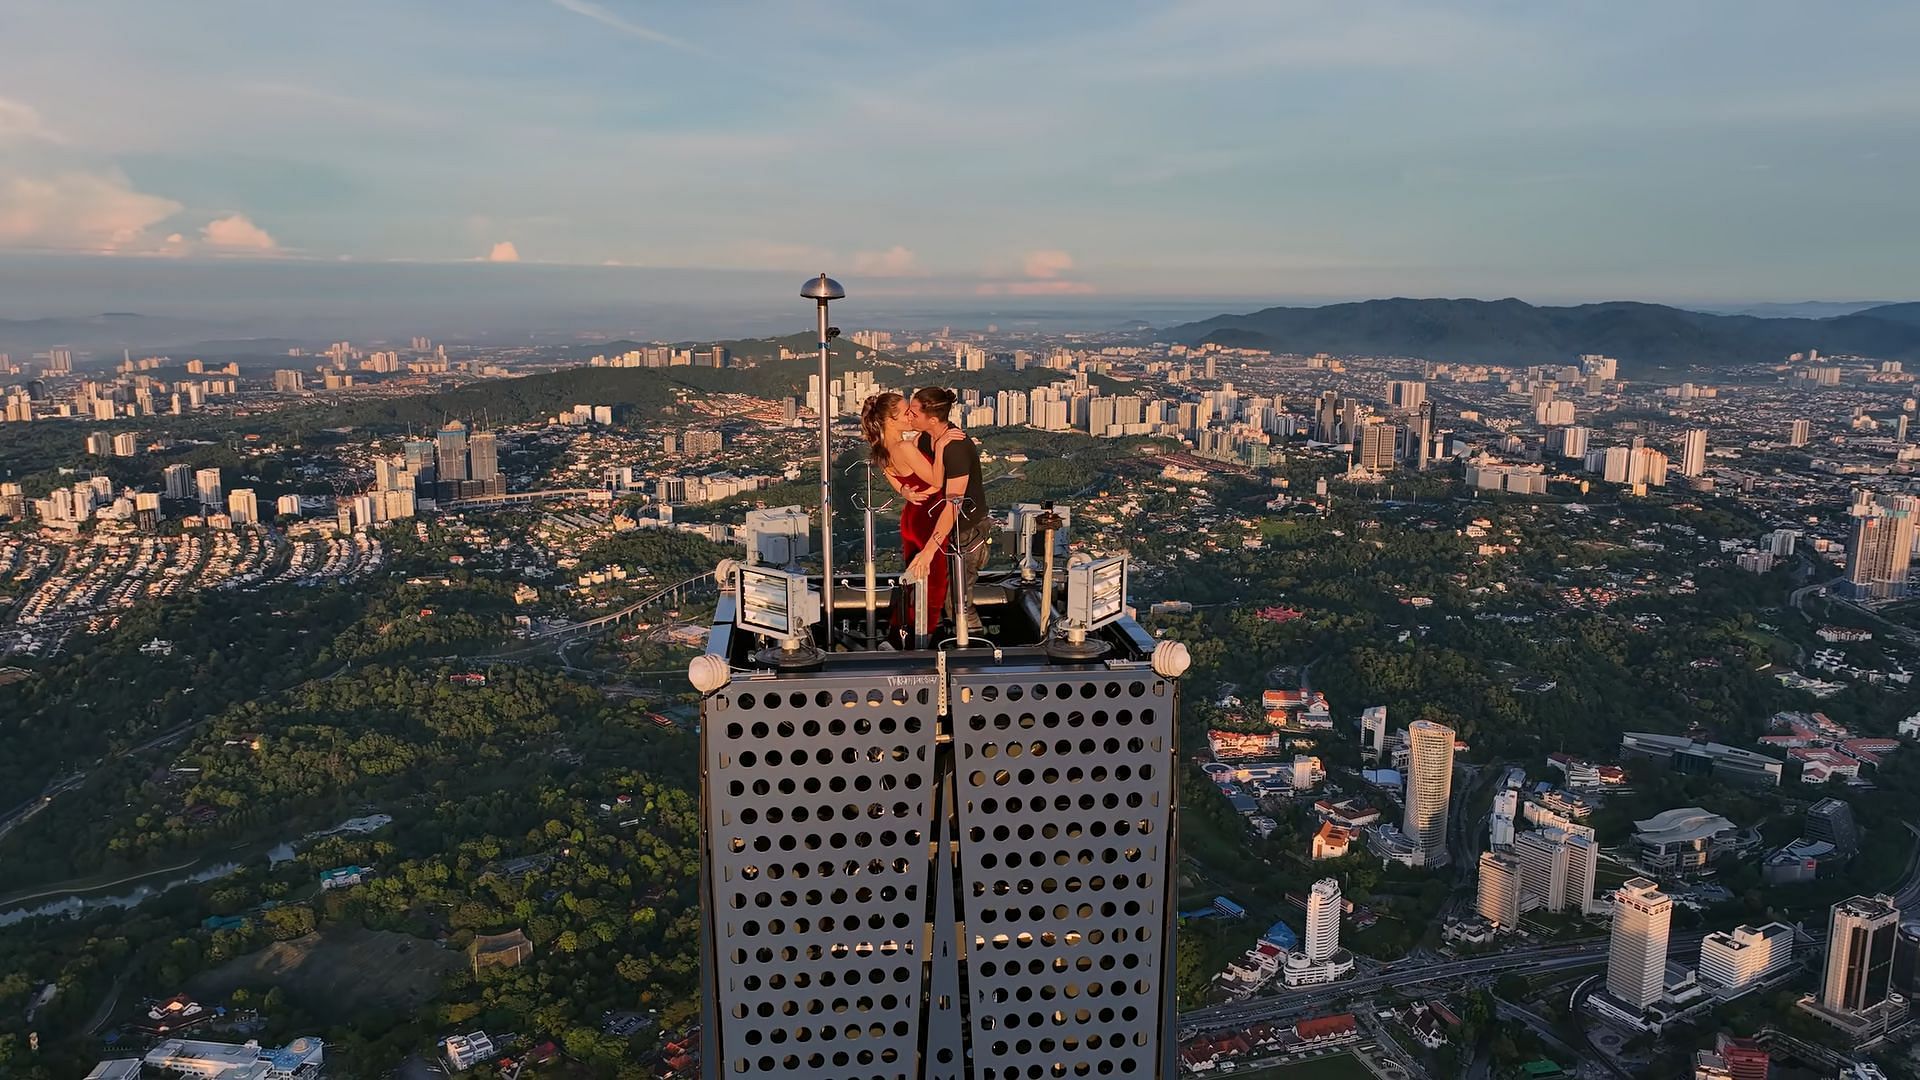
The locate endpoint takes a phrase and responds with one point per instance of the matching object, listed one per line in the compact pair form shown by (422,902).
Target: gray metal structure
(947,864)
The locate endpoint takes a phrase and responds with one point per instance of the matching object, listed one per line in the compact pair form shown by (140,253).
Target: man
(963,523)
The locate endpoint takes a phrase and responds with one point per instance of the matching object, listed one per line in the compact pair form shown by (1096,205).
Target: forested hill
(1511,331)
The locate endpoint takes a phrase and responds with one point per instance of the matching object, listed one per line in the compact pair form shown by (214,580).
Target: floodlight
(776,603)
(1096,591)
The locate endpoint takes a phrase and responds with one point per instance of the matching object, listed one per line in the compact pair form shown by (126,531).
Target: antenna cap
(822,288)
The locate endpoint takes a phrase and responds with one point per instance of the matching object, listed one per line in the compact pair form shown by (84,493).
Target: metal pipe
(957,581)
(826,471)
(920,625)
(1046,579)
(872,600)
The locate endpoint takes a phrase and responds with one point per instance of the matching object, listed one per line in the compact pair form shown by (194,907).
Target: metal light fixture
(781,605)
(1096,591)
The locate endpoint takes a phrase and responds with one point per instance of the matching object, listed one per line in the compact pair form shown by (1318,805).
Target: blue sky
(1207,148)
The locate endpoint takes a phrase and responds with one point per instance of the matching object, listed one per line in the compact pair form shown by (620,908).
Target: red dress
(916,528)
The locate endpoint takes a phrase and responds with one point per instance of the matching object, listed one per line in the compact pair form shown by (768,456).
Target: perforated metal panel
(1064,782)
(818,811)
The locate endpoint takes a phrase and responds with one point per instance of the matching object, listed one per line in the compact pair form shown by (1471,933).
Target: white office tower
(1799,433)
(1735,960)
(1506,806)
(206,483)
(1693,452)
(1637,951)
(1408,394)
(1373,731)
(1499,900)
(1323,920)
(1429,787)
(243,507)
(1859,966)
(1320,959)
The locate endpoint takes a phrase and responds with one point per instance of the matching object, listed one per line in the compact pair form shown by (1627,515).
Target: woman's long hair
(873,424)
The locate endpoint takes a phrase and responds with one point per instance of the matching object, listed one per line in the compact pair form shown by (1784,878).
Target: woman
(894,448)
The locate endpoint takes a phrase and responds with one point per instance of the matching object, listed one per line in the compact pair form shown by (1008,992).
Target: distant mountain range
(1641,336)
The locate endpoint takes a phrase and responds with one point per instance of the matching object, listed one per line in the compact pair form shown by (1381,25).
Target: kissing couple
(936,468)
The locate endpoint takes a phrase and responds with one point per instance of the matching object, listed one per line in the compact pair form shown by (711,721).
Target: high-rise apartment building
(1429,787)
(1693,452)
(60,361)
(1882,549)
(1499,895)
(1558,865)
(1799,433)
(951,864)
(125,445)
(1573,442)
(1637,947)
(1408,394)
(206,484)
(243,507)
(1859,968)
(178,479)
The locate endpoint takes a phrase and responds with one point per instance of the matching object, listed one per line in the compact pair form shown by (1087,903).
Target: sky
(990,151)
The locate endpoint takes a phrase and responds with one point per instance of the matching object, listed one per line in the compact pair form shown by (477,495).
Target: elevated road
(691,586)
(521,496)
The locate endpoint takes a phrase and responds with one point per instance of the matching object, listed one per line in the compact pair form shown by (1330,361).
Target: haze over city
(1221,150)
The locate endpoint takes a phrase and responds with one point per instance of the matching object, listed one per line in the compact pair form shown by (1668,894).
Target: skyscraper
(947,865)
(1882,547)
(1429,787)
(1799,432)
(483,453)
(1377,444)
(452,455)
(60,361)
(1693,452)
(1499,896)
(1859,968)
(1406,394)
(1320,958)
(1637,949)
(1557,866)
(1322,939)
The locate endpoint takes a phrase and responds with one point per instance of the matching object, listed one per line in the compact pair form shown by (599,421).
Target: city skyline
(1225,150)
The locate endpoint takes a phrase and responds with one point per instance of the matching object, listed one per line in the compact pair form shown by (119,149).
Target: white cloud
(504,252)
(76,210)
(18,120)
(1046,263)
(236,232)
(625,26)
(896,261)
